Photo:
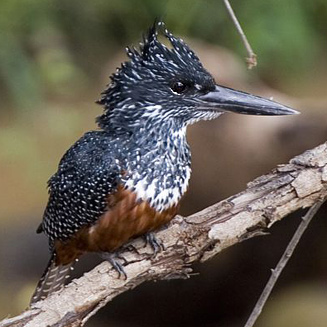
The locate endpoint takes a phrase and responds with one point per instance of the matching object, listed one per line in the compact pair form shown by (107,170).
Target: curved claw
(155,243)
(112,259)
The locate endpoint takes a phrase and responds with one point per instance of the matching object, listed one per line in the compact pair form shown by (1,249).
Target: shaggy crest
(146,79)
(152,49)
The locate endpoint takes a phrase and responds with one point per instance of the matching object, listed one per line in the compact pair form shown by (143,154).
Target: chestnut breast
(126,217)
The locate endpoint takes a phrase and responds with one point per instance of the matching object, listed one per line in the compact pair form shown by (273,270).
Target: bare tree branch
(252,57)
(198,237)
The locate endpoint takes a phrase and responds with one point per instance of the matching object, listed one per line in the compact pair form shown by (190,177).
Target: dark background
(55,58)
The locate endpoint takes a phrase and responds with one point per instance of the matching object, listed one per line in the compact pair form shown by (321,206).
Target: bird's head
(163,84)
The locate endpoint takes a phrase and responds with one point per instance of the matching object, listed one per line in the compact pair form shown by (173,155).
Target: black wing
(87,174)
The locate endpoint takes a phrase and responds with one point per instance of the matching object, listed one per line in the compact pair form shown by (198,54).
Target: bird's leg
(155,243)
(112,258)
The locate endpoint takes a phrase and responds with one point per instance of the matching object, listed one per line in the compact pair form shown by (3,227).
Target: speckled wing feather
(87,174)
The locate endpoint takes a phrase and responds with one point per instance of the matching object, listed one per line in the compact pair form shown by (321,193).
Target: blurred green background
(55,58)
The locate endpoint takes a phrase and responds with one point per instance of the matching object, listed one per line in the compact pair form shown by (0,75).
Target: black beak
(226,99)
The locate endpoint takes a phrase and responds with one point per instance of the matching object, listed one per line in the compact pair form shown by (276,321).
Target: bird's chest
(160,178)
(161,191)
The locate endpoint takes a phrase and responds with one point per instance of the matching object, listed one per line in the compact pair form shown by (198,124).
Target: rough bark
(198,237)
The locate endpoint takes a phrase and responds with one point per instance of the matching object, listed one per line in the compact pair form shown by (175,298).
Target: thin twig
(282,263)
(252,57)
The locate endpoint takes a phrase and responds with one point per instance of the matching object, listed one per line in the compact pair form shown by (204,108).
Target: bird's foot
(131,248)
(114,259)
(155,243)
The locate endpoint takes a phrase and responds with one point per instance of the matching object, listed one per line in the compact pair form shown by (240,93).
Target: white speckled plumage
(164,189)
(128,178)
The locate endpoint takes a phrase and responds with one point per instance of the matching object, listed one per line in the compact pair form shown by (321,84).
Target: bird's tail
(52,280)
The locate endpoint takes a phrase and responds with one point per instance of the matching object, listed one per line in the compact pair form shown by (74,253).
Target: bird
(126,178)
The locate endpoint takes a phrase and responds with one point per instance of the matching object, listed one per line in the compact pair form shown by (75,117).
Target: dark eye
(178,87)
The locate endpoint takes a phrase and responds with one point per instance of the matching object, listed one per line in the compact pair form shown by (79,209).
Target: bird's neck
(162,137)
